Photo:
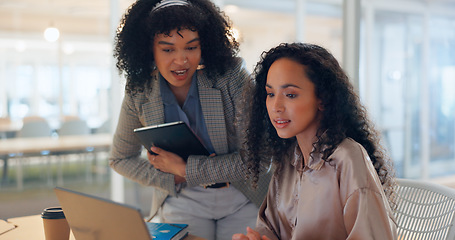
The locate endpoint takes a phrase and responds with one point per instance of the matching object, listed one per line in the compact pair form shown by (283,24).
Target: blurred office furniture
(18,147)
(73,125)
(105,127)
(4,128)
(5,120)
(35,146)
(34,126)
(9,128)
(425,210)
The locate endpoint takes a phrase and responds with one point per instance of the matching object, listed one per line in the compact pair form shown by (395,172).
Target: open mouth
(281,123)
(180,72)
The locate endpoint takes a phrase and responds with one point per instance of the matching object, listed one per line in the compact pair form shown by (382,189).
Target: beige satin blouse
(342,199)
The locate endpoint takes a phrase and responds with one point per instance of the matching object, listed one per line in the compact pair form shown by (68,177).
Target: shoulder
(350,149)
(354,167)
(151,89)
(237,73)
(232,80)
(236,65)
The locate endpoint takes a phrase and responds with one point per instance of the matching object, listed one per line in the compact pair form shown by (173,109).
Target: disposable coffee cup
(55,225)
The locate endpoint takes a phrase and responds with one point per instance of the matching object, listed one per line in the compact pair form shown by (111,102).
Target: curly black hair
(343,115)
(139,25)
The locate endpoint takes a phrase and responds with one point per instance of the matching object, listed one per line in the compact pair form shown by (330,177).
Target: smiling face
(292,105)
(177,57)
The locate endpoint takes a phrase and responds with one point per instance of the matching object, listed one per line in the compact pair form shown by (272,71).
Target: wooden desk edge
(31,227)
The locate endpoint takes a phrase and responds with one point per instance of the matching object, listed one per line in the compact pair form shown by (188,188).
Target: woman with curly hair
(332,178)
(179,60)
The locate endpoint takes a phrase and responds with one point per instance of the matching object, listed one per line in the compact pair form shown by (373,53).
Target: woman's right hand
(250,235)
(178,179)
(167,161)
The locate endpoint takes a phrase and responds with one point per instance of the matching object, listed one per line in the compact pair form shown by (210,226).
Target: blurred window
(408,61)
(57,79)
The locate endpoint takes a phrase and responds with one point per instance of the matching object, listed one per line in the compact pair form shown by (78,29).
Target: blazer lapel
(153,109)
(213,111)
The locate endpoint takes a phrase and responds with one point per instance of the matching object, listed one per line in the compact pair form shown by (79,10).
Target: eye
(270,94)
(192,48)
(290,95)
(166,50)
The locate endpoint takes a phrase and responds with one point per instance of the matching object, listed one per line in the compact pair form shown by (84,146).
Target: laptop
(91,217)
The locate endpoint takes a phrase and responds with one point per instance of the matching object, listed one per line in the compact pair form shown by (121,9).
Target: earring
(201,65)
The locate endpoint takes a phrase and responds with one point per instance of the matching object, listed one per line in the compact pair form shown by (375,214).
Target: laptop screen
(91,217)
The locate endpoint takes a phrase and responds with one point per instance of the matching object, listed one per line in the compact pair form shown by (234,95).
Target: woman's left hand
(167,161)
(251,235)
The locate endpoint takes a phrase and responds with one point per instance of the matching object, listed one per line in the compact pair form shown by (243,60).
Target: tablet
(174,137)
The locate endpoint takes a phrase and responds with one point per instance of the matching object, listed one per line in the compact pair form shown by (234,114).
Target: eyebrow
(284,86)
(169,43)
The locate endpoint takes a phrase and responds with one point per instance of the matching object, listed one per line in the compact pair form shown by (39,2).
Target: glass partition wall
(55,79)
(408,82)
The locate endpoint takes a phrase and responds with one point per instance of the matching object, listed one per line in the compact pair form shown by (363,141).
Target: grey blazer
(219,100)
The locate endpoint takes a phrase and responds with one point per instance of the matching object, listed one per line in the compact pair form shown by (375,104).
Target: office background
(400,55)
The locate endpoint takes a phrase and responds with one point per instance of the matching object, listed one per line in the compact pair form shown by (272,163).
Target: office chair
(35,126)
(425,210)
(73,126)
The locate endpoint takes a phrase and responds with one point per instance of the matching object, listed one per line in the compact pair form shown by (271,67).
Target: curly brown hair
(343,115)
(139,25)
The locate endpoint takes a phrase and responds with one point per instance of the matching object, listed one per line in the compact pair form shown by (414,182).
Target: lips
(280,123)
(180,74)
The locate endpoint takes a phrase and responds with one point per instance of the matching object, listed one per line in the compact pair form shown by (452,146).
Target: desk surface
(31,227)
(10,126)
(54,144)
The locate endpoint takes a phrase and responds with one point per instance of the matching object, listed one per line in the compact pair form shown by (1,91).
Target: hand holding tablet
(174,137)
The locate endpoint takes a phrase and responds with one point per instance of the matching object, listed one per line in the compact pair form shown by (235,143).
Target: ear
(320,106)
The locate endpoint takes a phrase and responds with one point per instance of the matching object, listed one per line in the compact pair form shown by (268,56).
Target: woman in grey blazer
(179,59)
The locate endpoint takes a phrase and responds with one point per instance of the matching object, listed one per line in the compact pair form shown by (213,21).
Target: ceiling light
(51,34)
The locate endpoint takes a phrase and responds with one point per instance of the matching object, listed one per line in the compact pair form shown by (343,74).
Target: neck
(180,94)
(306,145)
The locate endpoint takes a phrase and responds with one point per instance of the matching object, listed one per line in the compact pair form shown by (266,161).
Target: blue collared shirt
(190,112)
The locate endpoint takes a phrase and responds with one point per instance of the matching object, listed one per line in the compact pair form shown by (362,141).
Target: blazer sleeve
(125,157)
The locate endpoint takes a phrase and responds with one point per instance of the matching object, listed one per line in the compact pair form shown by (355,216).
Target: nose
(277,104)
(181,58)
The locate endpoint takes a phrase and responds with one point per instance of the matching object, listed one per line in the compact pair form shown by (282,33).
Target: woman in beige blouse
(332,180)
